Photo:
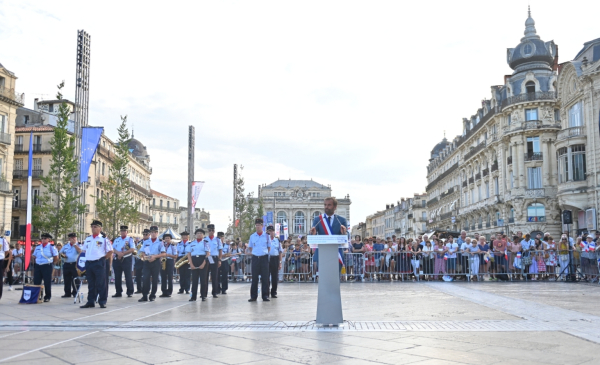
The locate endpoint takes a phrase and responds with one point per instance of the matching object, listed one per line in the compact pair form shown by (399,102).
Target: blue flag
(90,137)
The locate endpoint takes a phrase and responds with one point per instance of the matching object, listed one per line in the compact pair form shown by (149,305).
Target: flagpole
(29,209)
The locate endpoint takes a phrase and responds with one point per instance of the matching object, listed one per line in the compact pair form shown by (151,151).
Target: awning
(176,237)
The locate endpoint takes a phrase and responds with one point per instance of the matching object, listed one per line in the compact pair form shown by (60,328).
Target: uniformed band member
(259,244)
(275,257)
(139,264)
(97,251)
(225,266)
(4,248)
(123,247)
(198,252)
(184,270)
(166,275)
(216,251)
(71,251)
(45,256)
(152,252)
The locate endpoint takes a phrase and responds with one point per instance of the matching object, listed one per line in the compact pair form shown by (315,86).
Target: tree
(247,209)
(57,209)
(117,206)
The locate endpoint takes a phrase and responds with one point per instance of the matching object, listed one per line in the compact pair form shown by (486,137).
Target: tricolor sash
(325,225)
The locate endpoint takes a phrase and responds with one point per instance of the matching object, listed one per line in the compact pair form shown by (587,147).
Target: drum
(81,264)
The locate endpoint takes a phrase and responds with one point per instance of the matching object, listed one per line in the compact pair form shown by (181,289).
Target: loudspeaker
(567,217)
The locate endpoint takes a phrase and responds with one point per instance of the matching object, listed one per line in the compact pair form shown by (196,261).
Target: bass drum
(81,264)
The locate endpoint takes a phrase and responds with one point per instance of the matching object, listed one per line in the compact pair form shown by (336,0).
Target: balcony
(478,126)
(446,215)
(478,176)
(475,150)
(37,147)
(442,176)
(570,133)
(533,156)
(447,192)
(533,193)
(22,174)
(164,209)
(495,166)
(5,138)
(511,220)
(12,97)
(410,216)
(480,226)
(410,229)
(472,227)
(485,172)
(432,201)
(145,217)
(488,225)
(509,160)
(5,187)
(522,98)
(106,153)
(19,148)
(140,189)
(471,180)
(22,204)
(464,184)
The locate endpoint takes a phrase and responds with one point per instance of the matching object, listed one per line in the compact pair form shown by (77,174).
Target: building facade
(499,174)
(201,220)
(165,211)
(577,144)
(297,202)
(10,101)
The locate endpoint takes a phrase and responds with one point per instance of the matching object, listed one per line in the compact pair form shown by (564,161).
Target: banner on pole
(90,137)
(196,189)
(269,218)
(29,206)
(285,230)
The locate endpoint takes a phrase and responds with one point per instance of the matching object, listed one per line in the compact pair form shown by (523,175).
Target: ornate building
(500,174)
(165,211)
(201,220)
(297,202)
(577,144)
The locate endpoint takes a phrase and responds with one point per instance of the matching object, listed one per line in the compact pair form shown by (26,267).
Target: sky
(353,94)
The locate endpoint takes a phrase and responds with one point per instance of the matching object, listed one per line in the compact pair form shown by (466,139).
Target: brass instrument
(125,248)
(138,251)
(182,261)
(163,264)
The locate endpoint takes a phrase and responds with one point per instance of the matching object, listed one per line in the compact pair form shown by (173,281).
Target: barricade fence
(528,265)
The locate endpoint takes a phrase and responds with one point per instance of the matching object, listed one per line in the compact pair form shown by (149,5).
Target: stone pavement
(387,323)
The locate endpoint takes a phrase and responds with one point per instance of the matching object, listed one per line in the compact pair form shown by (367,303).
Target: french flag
(29,204)
(505,255)
(446,257)
(592,246)
(518,255)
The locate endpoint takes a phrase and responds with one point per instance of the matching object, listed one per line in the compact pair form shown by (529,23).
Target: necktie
(329,219)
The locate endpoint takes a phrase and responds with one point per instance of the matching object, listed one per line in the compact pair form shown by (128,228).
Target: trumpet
(138,251)
(182,261)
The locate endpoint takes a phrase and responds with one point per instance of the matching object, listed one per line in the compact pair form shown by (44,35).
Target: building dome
(435,152)
(137,148)
(531,53)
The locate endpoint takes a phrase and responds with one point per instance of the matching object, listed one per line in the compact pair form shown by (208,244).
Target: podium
(329,300)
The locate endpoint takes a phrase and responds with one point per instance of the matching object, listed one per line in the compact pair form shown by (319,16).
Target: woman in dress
(515,252)
(533,268)
(473,253)
(415,257)
(428,260)
(440,264)
(550,247)
(563,257)
(369,259)
(392,256)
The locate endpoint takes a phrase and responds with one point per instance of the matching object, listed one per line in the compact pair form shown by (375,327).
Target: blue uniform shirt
(119,243)
(70,251)
(182,248)
(43,255)
(260,244)
(170,250)
(198,247)
(153,248)
(225,248)
(276,248)
(215,245)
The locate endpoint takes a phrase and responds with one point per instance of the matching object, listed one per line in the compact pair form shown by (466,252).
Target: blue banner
(90,137)
(269,218)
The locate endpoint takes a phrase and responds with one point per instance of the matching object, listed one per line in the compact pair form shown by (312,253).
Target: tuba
(182,261)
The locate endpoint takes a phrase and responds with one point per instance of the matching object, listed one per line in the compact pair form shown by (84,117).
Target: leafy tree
(117,206)
(247,208)
(56,211)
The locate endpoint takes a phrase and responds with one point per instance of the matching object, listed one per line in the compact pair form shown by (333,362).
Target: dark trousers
(2,281)
(120,267)
(139,274)
(260,266)
(201,274)
(69,274)
(9,274)
(224,276)
(43,272)
(214,275)
(95,272)
(274,273)
(166,277)
(184,278)
(151,271)
(107,276)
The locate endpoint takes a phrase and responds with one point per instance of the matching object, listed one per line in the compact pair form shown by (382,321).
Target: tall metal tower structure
(234,228)
(191,154)
(82,101)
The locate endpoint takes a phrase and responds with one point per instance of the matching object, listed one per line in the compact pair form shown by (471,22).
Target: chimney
(35,104)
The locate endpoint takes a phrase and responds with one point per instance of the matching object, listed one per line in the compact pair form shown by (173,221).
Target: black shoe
(87,305)
(273,296)
(102,305)
(187,292)
(143,299)
(66,296)
(204,299)
(266,300)
(129,295)
(223,292)
(252,300)
(192,299)
(180,292)
(138,292)
(152,299)
(117,295)
(46,300)
(215,296)
(164,296)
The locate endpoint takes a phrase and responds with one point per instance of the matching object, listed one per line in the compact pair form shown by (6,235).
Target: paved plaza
(387,323)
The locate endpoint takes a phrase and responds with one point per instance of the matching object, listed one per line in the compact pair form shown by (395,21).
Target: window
(563,165)
(299,222)
(168,219)
(578,159)
(576,115)
(472,196)
(531,114)
(509,119)
(26,119)
(530,85)
(424,215)
(102,169)
(557,115)
(168,204)
(316,214)
(536,212)
(498,218)
(478,192)
(487,189)
(35,196)
(527,51)
(161,203)
(281,217)
(534,177)
(51,108)
(16,197)
(423,203)
(37,164)
(511,214)
(160,216)
(533,145)
(153,201)
(496,186)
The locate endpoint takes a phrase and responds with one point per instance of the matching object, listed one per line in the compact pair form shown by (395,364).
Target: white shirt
(96,247)
(4,247)
(452,248)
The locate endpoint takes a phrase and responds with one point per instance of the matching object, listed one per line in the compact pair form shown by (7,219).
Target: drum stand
(79,296)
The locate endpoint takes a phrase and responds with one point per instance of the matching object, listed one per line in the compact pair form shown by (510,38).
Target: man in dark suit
(329,223)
